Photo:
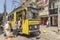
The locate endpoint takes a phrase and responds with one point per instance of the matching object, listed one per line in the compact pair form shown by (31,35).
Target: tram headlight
(35,26)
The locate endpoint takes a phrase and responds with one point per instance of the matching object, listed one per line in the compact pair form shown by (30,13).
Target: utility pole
(5,11)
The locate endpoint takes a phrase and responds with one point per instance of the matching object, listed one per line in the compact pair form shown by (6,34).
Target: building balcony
(53,11)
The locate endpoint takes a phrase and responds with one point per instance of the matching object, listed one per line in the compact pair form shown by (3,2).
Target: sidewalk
(50,34)
(2,37)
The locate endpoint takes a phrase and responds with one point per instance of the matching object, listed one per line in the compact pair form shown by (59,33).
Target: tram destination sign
(34,10)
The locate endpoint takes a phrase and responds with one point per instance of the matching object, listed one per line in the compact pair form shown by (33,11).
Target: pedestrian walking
(19,25)
(47,23)
(7,31)
(15,29)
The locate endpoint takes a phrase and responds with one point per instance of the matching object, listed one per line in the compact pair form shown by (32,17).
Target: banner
(44,2)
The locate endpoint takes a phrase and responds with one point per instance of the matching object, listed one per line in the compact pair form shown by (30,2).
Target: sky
(9,5)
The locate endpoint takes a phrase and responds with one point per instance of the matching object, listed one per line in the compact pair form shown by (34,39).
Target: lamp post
(5,11)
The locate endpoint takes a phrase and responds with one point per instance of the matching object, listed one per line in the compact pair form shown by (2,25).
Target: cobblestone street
(29,19)
(51,34)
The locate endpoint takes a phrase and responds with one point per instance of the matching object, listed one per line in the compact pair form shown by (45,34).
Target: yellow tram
(29,20)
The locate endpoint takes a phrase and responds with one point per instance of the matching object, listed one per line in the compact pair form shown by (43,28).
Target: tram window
(24,14)
(12,17)
(18,15)
(32,15)
(21,14)
(35,15)
(9,18)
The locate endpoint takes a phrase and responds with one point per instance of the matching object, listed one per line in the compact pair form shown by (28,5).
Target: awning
(44,16)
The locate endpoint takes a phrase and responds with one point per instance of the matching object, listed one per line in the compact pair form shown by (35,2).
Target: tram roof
(15,9)
(22,7)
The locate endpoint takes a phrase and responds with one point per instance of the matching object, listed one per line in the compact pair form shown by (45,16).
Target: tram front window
(32,15)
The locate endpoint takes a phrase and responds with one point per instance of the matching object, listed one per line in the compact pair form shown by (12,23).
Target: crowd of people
(7,29)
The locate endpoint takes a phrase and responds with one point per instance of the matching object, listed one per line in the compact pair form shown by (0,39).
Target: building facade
(44,13)
(48,10)
(53,12)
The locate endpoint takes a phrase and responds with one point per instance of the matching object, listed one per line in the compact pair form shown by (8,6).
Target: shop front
(44,16)
(44,20)
(54,20)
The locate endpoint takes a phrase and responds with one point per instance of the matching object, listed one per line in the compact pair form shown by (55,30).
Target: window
(21,14)
(12,17)
(26,0)
(58,0)
(9,18)
(52,4)
(32,15)
(24,14)
(18,15)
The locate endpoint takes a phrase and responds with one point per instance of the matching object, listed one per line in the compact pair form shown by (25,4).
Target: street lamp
(5,11)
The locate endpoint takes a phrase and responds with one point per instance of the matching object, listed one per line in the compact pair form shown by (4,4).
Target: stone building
(42,5)
(44,13)
(53,12)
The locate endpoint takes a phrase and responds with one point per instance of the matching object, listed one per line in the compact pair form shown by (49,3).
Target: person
(7,30)
(15,29)
(10,27)
(19,24)
(47,24)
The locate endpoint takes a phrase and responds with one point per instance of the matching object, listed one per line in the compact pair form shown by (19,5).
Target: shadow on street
(27,36)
